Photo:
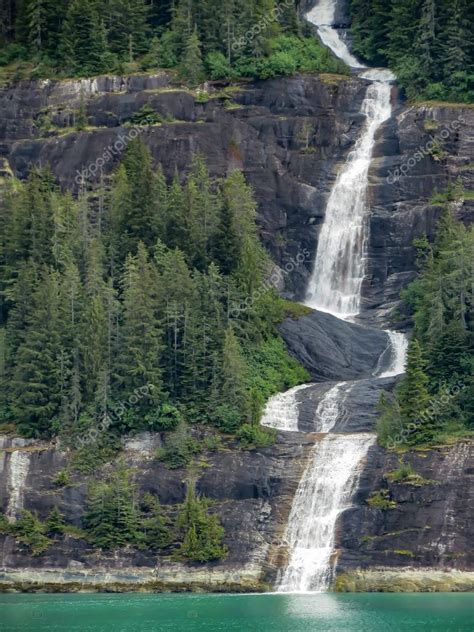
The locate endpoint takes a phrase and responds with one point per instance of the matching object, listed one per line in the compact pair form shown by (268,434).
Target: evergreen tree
(142,336)
(42,363)
(157,534)
(112,519)
(55,522)
(192,67)
(202,532)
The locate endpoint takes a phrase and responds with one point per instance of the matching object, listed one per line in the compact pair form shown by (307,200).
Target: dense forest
(428,43)
(200,38)
(145,306)
(434,401)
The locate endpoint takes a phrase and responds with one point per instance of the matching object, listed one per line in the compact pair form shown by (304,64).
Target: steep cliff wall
(289,136)
(251,491)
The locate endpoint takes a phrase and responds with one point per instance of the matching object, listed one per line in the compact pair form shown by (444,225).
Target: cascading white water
(325,491)
(331,477)
(398,350)
(281,411)
(322,16)
(339,269)
(329,408)
(18,466)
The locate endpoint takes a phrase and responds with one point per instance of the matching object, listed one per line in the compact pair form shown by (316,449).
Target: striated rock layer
(289,136)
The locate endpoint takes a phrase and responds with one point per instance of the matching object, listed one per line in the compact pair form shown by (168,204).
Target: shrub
(168,417)
(227,418)
(145,116)
(218,66)
(381,500)
(179,448)
(252,436)
(62,479)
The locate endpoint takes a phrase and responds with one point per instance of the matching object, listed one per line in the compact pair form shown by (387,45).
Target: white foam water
(281,411)
(17,471)
(398,357)
(332,475)
(325,491)
(322,16)
(339,268)
(329,408)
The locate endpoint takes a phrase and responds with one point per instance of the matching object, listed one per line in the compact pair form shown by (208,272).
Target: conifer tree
(192,67)
(42,363)
(112,519)
(142,336)
(202,532)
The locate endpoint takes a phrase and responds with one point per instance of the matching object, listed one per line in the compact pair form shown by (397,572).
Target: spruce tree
(142,335)
(192,67)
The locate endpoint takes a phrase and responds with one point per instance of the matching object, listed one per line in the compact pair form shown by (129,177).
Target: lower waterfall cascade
(335,463)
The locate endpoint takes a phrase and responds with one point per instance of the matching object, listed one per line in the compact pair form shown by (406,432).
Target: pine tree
(202,532)
(155,526)
(146,200)
(192,67)
(232,390)
(413,395)
(458,40)
(42,363)
(203,214)
(112,519)
(55,522)
(142,336)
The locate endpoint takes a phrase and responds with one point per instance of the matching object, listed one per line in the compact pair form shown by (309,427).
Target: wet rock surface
(335,350)
(251,491)
(429,522)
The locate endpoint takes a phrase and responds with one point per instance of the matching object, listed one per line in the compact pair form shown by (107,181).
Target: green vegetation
(428,43)
(381,500)
(27,530)
(117,517)
(112,518)
(407,475)
(201,531)
(252,436)
(141,314)
(217,39)
(434,402)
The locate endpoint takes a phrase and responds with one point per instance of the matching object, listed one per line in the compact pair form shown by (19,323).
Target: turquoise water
(229,613)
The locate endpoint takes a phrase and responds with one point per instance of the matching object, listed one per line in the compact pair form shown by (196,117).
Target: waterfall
(18,466)
(340,266)
(329,408)
(281,411)
(398,351)
(323,494)
(332,474)
(322,16)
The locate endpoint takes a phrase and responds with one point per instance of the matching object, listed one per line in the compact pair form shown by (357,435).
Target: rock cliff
(289,136)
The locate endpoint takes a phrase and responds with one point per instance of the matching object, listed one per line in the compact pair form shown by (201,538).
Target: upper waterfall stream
(334,465)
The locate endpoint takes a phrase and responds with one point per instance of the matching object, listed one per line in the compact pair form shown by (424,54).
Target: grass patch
(381,500)
(407,475)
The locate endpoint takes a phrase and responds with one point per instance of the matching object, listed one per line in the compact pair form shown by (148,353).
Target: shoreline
(247,581)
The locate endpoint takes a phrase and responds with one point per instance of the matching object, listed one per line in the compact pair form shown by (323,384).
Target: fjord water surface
(242,613)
